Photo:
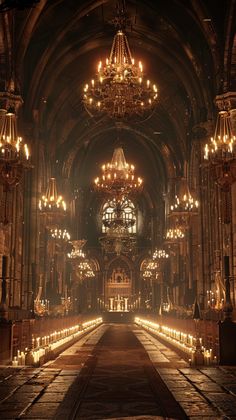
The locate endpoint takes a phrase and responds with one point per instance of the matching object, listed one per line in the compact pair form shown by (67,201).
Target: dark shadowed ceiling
(181,44)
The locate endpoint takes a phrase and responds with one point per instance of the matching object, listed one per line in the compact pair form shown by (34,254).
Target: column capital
(10,99)
(226,101)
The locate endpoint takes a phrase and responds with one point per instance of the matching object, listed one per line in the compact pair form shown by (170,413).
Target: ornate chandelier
(76,252)
(52,204)
(118,176)
(223,144)
(182,209)
(150,269)
(119,88)
(147,274)
(221,151)
(183,201)
(60,234)
(184,204)
(152,265)
(160,254)
(173,234)
(14,154)
(84,270)
(81,264)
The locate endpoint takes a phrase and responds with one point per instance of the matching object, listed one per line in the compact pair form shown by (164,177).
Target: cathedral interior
(117,209)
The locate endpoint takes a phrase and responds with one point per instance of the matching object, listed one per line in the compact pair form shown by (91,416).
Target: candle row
(42,346)
(186,342)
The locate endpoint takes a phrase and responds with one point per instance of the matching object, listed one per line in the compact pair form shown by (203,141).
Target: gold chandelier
(119,88)
(14,154)
(221,151)
(150,269)
(223,144)
(183,201)
(76,252)
(118,176)
(173,234)
(160,254)
(52,205)
(81,264)
(85,270)
(60,234)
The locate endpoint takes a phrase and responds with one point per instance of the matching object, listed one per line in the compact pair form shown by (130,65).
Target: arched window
(127,213)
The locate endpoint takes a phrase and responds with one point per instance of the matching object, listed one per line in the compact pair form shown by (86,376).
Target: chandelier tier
(119,88)
(60,234)
(174,234)
(221,151)
(14,154)
(183,201)
(51,202)
(118,176)
(160,254)
(223,144)
(81,264)
(150,269)
(76,252)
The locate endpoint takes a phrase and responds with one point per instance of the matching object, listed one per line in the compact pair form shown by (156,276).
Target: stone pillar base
(227,342)
(6,342)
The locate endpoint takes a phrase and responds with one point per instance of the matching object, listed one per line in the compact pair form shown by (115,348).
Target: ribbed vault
(58,45)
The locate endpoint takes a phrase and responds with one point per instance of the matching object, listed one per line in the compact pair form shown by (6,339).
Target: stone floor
(118,372)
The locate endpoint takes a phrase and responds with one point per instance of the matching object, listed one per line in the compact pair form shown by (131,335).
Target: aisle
(119,380)
(118,372)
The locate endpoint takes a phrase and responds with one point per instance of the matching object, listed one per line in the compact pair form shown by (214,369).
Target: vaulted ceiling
(182,45)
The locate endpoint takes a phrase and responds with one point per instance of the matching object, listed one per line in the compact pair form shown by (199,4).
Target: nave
(118,371)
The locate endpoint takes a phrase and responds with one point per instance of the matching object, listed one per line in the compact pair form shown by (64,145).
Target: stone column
(126,304)
(203,223)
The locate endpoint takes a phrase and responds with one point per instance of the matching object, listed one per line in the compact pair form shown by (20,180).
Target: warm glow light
(175,233)
(159,254)
(14,154)
(44,345)
(222,144)
(118,176)
(51,201)
(185,341)
(60,234)
(118,86)
(186,203)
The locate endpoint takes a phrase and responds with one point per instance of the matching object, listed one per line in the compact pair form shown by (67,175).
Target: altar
(118,304)
(118,290)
